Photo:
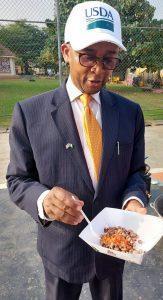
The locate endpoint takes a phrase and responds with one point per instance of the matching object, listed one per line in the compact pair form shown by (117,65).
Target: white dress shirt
(74,93)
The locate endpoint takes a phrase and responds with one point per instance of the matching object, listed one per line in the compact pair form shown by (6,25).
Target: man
(79,147)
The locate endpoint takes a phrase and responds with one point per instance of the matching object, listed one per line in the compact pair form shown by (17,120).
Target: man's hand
(134,205)
(63,206)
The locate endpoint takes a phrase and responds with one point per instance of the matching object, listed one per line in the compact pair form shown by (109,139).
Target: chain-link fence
(29,47)
(28,36)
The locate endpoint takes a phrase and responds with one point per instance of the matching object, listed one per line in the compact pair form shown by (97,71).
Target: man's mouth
(95,81)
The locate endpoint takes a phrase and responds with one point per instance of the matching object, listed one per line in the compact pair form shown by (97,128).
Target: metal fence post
(59,41)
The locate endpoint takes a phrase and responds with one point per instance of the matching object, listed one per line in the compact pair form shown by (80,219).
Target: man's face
(89,79)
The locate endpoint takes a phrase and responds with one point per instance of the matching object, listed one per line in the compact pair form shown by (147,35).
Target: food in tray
(120,239)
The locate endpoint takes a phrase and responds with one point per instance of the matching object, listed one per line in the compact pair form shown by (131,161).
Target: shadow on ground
(21,272)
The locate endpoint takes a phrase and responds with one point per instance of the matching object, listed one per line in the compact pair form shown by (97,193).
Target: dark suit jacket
(41,128)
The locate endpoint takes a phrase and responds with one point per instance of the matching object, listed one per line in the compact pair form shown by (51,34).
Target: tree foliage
(48,56)
(25,40)
(150,52)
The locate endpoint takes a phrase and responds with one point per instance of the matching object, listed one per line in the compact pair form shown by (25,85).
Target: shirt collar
(74,92)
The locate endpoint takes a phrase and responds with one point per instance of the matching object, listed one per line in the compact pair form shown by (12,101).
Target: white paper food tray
(148,228)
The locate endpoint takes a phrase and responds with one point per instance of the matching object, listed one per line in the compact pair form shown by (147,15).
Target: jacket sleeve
(22,177)
(136,186)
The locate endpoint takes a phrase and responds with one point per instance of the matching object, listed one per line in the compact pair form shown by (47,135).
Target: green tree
(49,57)
(150,52)
(25,40)
(65,6)
(46,59)
(136,16)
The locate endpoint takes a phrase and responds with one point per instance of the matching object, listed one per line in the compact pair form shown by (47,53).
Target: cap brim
(93,38)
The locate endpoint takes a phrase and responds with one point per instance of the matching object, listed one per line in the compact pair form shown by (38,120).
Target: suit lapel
(110,123)
(63,117)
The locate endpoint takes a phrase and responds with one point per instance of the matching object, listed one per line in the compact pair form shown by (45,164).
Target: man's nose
(98,67)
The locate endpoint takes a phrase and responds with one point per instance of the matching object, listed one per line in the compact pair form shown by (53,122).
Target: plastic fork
(89,222)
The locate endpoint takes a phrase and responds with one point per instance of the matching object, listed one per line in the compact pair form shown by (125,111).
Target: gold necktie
(93,133)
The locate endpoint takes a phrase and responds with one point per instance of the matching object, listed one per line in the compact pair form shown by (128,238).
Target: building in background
(7,62)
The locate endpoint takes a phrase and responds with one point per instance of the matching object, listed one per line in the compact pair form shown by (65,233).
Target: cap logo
(99,17)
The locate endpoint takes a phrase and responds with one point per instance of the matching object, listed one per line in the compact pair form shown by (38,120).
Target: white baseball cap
(92,22)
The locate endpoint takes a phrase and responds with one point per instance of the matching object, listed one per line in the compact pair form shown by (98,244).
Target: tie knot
(85,99)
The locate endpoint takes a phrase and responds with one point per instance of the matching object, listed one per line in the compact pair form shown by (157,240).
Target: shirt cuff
(133,198)
(40,206)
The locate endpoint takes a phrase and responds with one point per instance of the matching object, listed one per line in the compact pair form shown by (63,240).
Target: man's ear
(65,49)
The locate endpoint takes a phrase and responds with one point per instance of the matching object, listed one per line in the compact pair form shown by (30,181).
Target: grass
(15,90)
(150,102)
(12,91)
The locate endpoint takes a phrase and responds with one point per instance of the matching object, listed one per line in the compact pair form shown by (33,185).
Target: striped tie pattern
(93,133)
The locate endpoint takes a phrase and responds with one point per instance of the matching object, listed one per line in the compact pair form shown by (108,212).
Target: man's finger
(68,206)
(66,198)
(141,210)
(63,216)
